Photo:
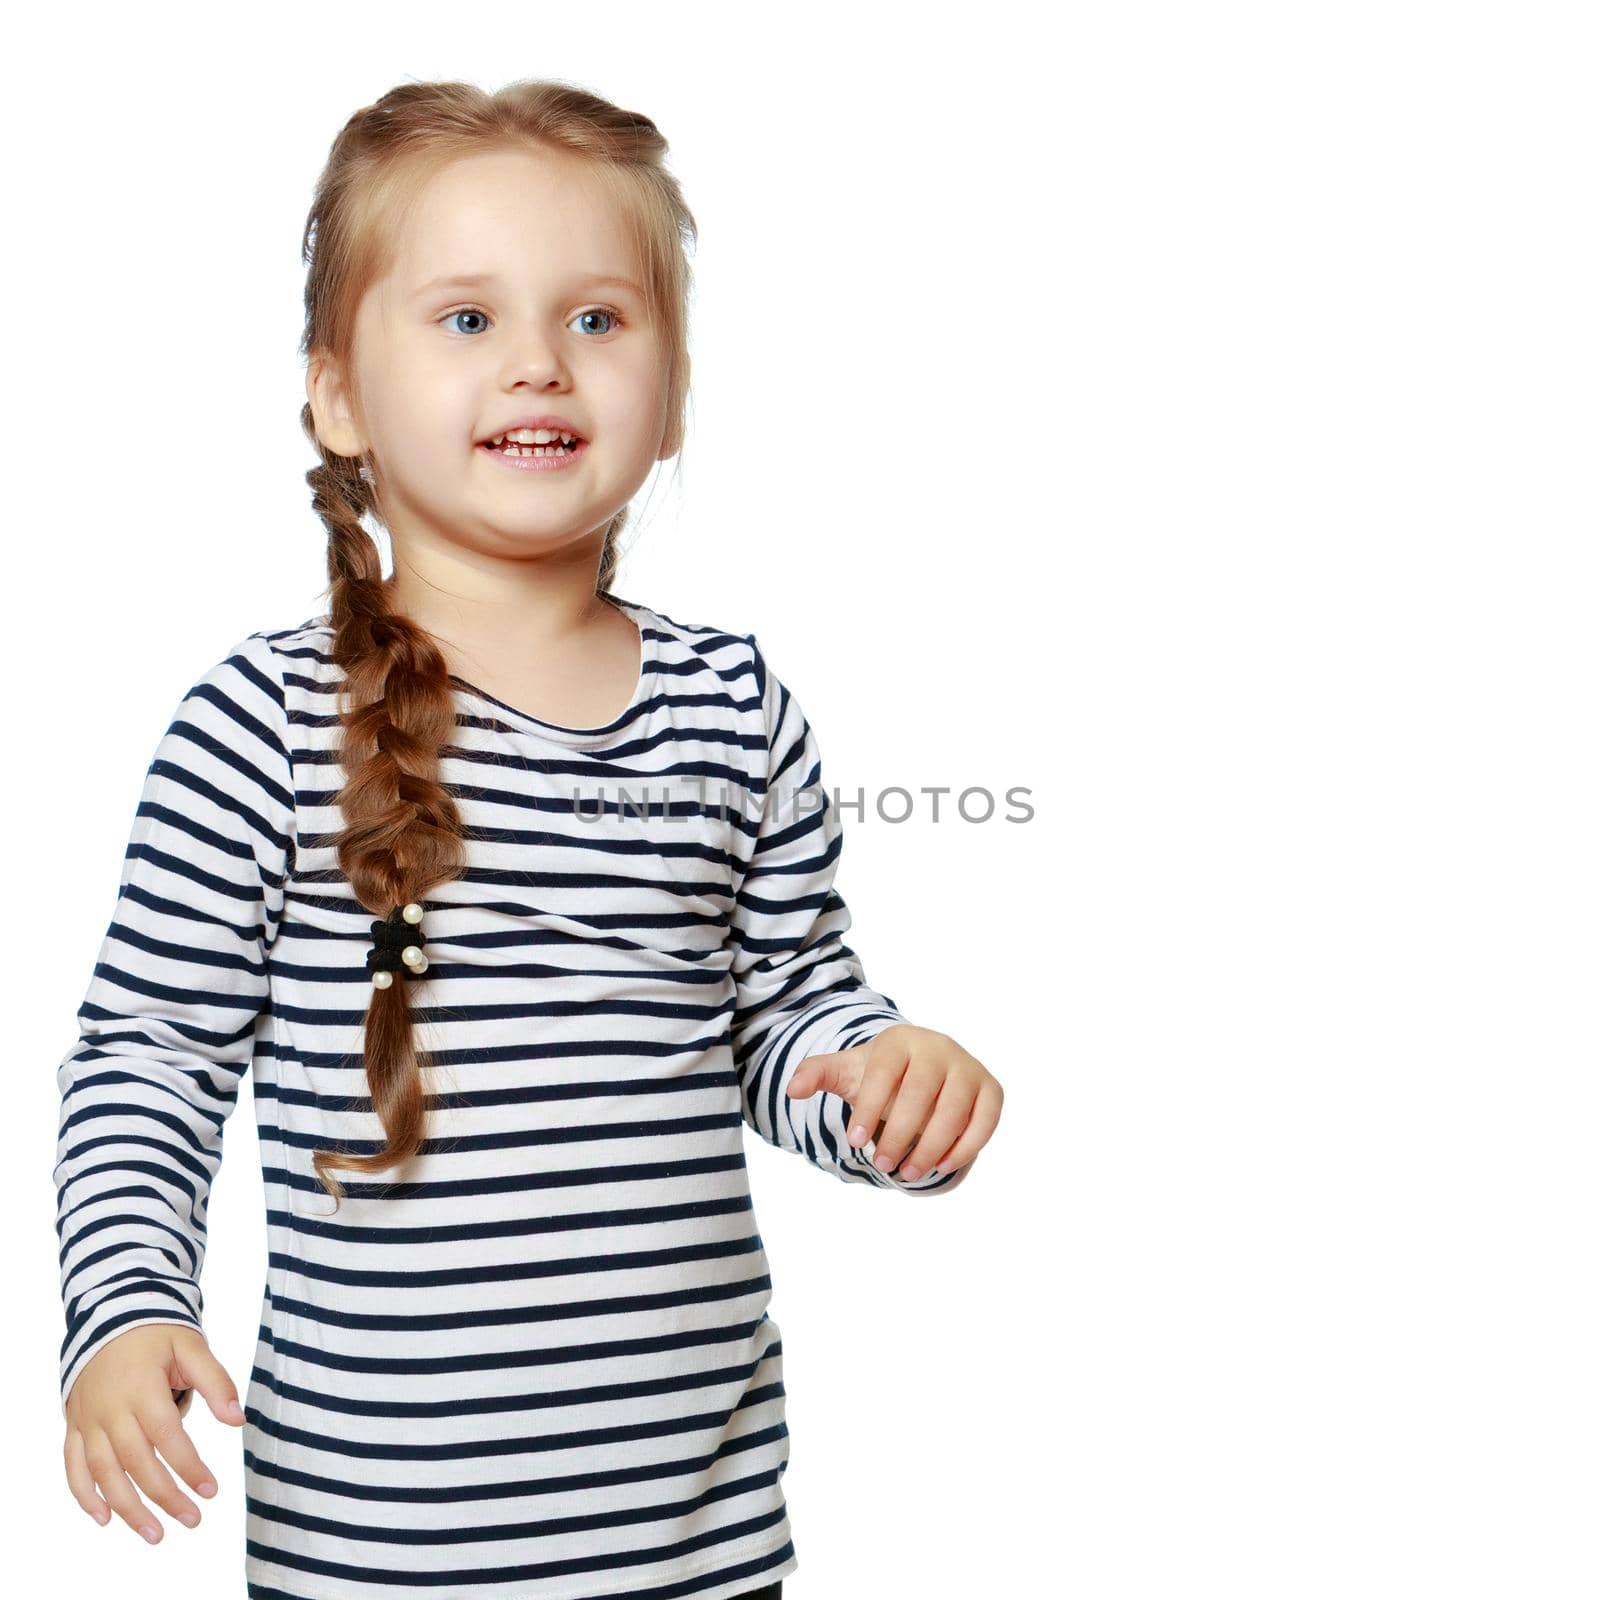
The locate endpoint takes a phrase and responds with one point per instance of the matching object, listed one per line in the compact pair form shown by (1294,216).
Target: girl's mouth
(535,457)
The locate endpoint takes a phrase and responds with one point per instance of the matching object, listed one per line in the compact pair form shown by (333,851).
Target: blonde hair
(402,833)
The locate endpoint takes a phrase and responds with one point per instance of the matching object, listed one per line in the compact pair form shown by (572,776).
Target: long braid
(402,835)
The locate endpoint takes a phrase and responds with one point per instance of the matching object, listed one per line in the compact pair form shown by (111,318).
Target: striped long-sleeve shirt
(537,1362)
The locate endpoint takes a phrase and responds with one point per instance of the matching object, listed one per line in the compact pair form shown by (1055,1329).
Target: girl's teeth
(535,436)
(535,442)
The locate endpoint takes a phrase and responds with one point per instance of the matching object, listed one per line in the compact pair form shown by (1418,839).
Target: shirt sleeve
(167,1027)
(800,989)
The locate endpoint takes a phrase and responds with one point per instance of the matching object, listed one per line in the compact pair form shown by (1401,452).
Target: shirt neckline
(642,618)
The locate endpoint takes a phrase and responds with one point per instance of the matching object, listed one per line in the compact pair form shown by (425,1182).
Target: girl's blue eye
(593,311)
(601,311)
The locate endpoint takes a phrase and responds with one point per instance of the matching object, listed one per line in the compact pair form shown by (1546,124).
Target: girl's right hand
(124,1406)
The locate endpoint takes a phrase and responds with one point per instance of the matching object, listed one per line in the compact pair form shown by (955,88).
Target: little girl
(516,899)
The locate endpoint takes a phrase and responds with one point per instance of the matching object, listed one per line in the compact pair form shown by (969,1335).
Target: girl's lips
(555,462)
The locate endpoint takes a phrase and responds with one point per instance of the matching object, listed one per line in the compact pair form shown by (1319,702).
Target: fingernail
(152,1534)
(207,1488)
(190,1519)
(882,1162)
(235,1409)
(858,1135)
(910,1174)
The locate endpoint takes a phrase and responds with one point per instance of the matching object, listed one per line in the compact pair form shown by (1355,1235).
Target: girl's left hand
(898,1077)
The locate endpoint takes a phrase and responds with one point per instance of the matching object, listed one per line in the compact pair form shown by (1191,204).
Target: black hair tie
(394,938)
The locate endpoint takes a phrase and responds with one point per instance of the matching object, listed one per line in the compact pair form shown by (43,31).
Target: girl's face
(547,328)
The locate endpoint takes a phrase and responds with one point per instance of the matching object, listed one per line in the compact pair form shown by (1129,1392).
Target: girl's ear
(330,410)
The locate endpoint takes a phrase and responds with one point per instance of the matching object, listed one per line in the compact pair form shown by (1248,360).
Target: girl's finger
(101,1455)
(172,1439)
(985,1117)
(80,1480)
(139,1459)
(913,1105)
(952,1111)
(879,1080)
(196,1365)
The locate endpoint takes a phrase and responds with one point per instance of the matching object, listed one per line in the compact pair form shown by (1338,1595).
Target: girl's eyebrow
(474,280)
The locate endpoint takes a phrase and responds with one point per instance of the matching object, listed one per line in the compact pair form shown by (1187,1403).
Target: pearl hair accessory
(397,946)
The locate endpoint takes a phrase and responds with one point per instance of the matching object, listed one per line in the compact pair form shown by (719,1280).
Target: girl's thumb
(222,1397)
(201,1370)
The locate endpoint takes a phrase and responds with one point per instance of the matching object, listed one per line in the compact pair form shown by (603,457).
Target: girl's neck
(531,619)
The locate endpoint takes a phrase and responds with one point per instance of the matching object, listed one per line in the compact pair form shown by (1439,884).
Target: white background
(1185,412)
